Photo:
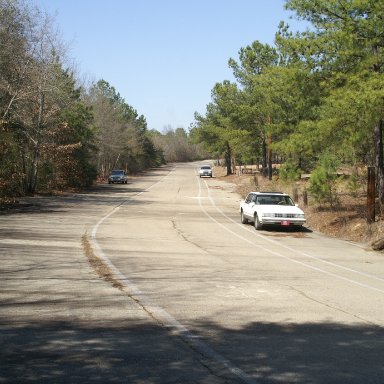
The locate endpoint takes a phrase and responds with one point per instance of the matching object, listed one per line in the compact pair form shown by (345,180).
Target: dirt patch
(101,269)
(215,187)
(345,221)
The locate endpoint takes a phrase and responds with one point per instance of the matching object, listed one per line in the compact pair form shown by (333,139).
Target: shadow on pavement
(101,193)
(128,351)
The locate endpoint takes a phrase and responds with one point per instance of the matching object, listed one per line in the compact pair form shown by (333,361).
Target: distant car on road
(205,170)
(118,176)
(270,208)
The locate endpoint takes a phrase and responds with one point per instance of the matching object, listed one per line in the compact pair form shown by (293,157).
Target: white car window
(250,198)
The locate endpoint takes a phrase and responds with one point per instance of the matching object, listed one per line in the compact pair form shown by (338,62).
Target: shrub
(354,184)
(323,180)
(289,171)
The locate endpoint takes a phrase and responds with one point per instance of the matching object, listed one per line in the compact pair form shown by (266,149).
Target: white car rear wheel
(243,219)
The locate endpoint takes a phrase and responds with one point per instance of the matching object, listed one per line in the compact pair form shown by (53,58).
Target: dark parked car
(118,176)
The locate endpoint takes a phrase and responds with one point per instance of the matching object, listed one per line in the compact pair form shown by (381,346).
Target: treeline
(313,98)
(178,146)
(56,134)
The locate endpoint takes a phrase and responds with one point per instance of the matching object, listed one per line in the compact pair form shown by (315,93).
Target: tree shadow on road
(131,350)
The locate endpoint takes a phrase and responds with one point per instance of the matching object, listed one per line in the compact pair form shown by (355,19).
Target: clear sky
(163,56)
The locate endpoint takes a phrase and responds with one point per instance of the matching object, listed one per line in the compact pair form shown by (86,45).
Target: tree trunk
(264,162)
(371,195)
(35,170)
(228,158)
(25,173)
(269,157)
(36,152)
(379,161)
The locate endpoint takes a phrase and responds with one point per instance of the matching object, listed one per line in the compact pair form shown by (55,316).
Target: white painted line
(278,254)
(160,314)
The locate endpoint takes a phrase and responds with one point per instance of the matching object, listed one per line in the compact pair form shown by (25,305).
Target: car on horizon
(205,170)
(118,176)
(270,208)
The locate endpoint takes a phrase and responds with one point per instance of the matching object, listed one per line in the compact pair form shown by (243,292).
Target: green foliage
(228,129)
(79,119)
(346,48)
(316,92)
(354,185)
(312,93)
(121,133)
(54,135)
(323,180)
(254,59)
(289,171)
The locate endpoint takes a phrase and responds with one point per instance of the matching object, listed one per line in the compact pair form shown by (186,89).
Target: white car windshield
(274,200)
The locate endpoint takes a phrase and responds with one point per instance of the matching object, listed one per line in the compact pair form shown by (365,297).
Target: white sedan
(270,208)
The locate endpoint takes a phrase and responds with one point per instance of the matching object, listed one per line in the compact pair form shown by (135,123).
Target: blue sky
(163,56)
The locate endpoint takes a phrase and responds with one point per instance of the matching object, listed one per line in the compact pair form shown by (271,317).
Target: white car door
(248,206)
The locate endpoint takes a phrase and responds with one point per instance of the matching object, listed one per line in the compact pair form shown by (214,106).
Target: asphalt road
(186,294)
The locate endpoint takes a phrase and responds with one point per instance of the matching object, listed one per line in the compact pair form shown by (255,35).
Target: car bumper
(282,221)
(116,180)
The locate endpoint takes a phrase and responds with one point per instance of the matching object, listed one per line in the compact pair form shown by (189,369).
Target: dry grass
(346,221)
(101,269)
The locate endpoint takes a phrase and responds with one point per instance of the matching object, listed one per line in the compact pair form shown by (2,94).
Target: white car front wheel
(257,223)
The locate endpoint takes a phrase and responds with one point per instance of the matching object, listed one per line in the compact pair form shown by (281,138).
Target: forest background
(313,104)
(57,133)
